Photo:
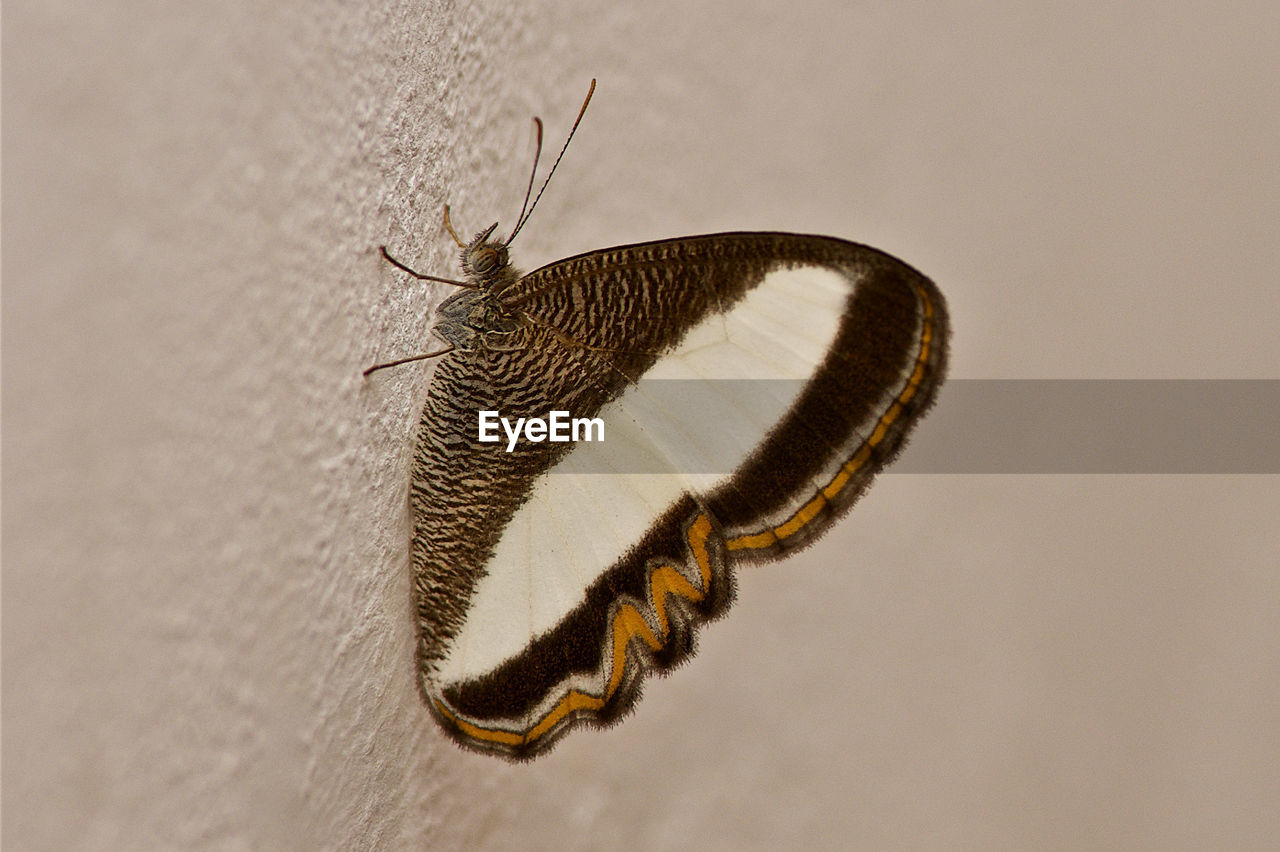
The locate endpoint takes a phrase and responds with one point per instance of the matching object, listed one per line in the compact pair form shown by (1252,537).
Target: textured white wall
(207,635)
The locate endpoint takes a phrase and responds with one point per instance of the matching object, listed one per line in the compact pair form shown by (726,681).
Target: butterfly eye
(487,260)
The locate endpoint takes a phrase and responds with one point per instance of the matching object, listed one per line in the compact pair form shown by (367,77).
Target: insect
(747,386)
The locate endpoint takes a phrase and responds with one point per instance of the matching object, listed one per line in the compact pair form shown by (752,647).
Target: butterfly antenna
(533,173)
(526,213)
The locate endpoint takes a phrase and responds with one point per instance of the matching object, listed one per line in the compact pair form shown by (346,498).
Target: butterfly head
(486,263)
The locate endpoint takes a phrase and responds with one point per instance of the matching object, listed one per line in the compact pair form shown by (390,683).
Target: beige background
(206,629)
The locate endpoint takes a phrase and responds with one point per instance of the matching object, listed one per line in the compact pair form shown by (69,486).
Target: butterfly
(738,392)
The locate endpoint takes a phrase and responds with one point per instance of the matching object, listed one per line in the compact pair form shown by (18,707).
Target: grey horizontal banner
(703,429)
(1099,426)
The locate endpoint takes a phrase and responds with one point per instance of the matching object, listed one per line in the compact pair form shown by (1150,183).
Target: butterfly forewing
(748,385)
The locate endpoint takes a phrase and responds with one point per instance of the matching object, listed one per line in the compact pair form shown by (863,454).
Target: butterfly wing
(748,386)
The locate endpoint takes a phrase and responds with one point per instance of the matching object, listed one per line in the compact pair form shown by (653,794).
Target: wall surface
(206,616)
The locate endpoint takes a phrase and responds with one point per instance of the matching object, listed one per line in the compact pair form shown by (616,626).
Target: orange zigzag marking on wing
(628,624)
